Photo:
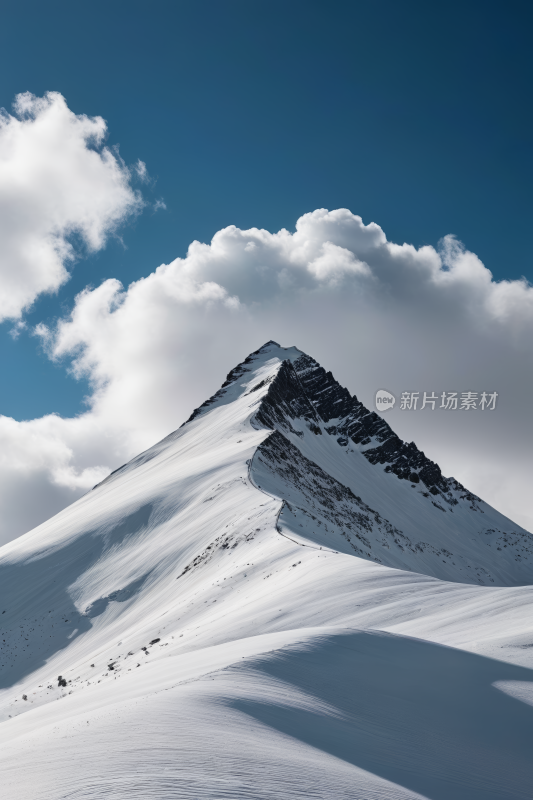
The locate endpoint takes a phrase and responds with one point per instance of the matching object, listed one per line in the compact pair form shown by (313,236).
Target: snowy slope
(272,602)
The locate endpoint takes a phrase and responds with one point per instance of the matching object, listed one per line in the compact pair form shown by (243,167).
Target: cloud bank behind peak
(378,314)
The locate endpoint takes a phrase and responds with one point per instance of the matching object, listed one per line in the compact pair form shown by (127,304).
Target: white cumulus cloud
(57,179)
(380,315)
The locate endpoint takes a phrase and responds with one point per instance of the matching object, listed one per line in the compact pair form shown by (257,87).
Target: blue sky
(415,116)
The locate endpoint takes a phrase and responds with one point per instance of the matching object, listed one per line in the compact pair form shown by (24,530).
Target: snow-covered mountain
(279,600)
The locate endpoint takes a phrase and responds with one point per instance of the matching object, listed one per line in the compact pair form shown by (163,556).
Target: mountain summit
(231,614)
(349,479)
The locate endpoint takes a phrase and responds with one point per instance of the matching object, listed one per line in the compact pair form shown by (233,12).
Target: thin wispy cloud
(141,170)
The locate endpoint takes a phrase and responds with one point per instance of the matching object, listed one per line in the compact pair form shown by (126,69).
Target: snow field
(216,642)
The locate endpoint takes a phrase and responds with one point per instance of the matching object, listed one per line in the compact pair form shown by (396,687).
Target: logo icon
(384,400)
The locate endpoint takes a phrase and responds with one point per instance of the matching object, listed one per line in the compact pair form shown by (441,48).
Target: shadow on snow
(422,715)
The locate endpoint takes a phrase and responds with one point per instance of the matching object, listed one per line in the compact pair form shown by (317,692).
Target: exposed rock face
(286,400)
(352,420)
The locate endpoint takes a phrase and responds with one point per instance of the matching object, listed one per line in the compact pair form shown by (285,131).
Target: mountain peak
(345,416)
(414,517)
